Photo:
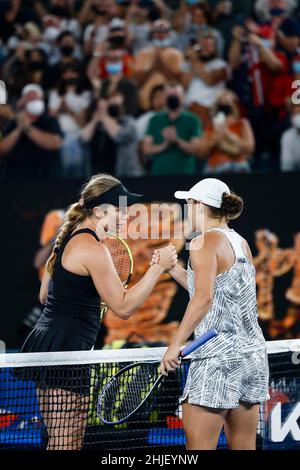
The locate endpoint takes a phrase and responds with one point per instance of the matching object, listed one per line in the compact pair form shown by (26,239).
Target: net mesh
(49,401)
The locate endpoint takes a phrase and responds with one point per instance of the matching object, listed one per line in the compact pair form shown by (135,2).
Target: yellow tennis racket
(122,259)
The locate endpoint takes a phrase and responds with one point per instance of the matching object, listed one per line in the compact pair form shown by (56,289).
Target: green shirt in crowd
(173,160)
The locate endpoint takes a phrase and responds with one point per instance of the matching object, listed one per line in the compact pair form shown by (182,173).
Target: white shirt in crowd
(76,102)
(201,93)
(141,124)
(290,150)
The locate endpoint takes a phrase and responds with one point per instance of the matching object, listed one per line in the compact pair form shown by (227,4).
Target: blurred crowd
(158,87)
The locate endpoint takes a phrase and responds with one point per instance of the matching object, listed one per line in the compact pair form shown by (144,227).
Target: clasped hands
(165,257)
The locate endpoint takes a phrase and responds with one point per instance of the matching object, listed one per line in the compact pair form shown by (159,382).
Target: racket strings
(120,257)
(127,392)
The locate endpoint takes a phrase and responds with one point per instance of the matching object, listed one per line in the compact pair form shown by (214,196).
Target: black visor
(117,196)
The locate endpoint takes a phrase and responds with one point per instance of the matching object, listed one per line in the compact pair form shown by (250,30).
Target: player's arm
(204,263)
(179,274)
(123,302)
(44,287)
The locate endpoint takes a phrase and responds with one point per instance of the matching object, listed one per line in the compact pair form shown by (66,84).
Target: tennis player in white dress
(228,377)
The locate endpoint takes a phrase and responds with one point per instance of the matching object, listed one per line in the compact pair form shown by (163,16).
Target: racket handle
(210,334)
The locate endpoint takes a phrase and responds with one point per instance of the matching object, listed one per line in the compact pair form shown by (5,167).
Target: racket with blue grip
(130,388)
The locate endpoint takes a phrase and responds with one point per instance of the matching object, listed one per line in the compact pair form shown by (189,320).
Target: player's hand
(170,361)
(166,257)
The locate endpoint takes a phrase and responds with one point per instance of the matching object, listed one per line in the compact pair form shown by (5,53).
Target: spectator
(200,23)
(157,105)
(96,32)
(68,53)
(31,142)
(117,82)
(263,75)
(263,8)
(290,143)
(12,12)
(139,25)
(69,103)
(62,13)
(111,138)
(113,50)
(229,141)
(225,12)
(158,64)
(173,138)
(207,76)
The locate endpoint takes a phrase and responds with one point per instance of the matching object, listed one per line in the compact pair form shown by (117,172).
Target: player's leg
(65,417)
(202,426)
(241,427)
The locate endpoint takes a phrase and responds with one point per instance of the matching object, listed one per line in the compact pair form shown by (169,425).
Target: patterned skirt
(225,382)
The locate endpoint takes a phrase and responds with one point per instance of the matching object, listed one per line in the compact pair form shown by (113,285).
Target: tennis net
(49,401)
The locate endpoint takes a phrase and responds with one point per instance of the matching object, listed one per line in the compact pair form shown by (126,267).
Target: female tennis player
(80,271)
(228,377)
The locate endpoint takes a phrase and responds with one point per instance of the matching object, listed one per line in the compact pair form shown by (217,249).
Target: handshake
(166,258)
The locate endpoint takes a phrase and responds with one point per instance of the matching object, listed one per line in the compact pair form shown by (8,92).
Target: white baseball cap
(209,191)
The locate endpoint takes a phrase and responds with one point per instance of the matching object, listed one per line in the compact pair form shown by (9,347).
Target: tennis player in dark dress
(80,273)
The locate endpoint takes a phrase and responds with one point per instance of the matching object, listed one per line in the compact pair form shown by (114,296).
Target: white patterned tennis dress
(233,367)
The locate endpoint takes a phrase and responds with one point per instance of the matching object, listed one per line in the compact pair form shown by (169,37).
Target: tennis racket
(122,259)
(132,386)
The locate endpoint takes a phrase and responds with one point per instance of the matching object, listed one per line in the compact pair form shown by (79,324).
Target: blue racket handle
(210,334)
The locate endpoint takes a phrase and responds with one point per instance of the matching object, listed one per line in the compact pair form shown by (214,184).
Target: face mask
(225,109)
(71,81)
(35,107)
(117,40)
(296,67)
(36,65)
(161,42)
(173,102)
(207,58)
(296,121)
(113,68)
(266,43)
(114,110)
(277,12)
(67,50)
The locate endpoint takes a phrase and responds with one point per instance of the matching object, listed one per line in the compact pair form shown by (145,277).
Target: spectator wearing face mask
(69,103)
(158,64)
(200,22)
(111,57)
(111,138)
(26,65)
(207,76)
(67,53)
(63,15)
(117,82)
(290,143)
(172,139)
(229,141)
(30,144)
(70,100)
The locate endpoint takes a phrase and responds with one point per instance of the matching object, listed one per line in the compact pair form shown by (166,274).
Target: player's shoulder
(207,240)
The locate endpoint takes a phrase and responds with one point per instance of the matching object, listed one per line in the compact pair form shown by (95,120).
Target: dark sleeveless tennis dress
(70,320)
